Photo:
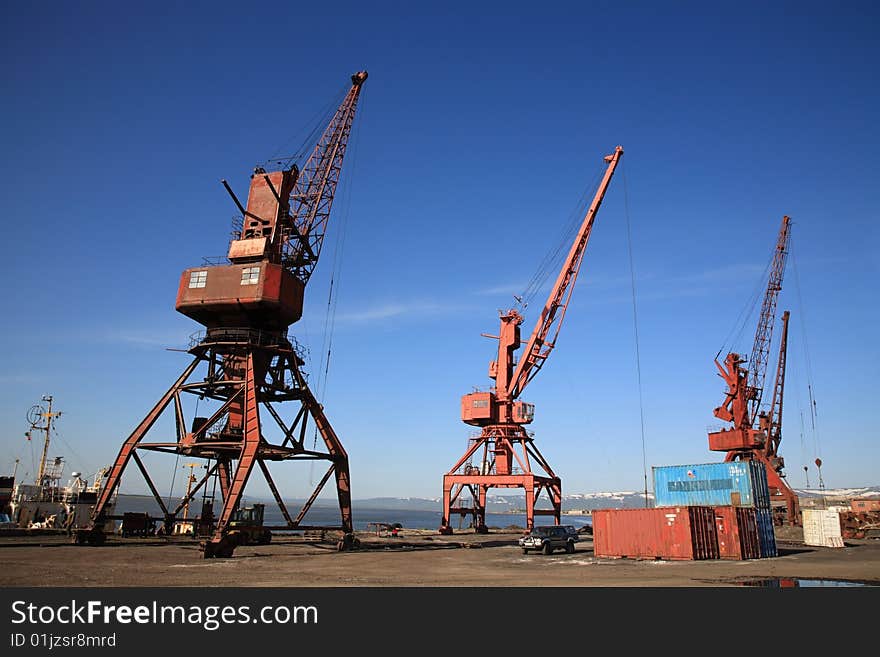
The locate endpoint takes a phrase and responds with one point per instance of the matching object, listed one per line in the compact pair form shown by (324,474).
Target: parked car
(550,538)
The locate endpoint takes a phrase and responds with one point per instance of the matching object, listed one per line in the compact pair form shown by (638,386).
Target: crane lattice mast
(761,347)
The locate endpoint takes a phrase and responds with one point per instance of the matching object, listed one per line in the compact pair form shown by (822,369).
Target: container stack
(686,533)
(704,511)
(737,484)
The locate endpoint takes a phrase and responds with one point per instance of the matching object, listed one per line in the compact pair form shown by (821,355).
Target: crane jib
(561,293)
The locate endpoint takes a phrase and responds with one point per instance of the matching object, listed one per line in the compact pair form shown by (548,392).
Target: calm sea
(321,515)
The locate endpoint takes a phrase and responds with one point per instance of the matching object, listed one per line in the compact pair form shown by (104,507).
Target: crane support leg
(511,468)
(245,370)
(95,534)
(338,455)
(780,490)
(220,544)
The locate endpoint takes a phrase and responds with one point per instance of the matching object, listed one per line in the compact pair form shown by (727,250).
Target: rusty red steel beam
(128,447)
(274,490)
(250,445)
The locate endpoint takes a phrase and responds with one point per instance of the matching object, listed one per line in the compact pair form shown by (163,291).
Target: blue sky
(480,128)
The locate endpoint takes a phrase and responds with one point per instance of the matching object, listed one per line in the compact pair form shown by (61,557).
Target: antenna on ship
(42,420)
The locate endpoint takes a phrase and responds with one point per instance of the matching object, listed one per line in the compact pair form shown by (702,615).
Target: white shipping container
(822,528)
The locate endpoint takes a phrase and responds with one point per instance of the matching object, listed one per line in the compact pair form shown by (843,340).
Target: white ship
(50,505)
(46,503)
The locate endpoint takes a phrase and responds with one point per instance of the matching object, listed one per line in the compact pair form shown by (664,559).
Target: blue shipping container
(766,533)
(737,483)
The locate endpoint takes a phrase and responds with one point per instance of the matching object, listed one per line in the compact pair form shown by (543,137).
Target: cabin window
(198,279)
(250,275)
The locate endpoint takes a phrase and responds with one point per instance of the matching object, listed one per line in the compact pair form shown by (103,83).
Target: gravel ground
(415,558)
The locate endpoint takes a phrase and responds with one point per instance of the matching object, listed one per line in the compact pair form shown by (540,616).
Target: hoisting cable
(339,248)
(748,310)
(177,462)
(795,376)
(321,119)
(632,275)
(807,362)
(79,459)
(553,257)
(173,478)
(336,272)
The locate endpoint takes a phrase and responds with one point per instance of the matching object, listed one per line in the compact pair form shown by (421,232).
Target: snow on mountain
(584,501)
(849,493)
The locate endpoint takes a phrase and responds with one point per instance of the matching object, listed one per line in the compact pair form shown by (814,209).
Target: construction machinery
(246,304)
(246,526)
(756,433)
(504,450)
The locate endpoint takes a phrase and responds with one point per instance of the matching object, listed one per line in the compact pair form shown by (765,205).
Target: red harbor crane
(246,305)
(756,434)
(505,451)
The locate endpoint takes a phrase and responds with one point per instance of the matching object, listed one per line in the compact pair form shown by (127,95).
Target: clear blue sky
(479,130)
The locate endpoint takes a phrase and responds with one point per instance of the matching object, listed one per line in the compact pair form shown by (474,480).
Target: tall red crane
(246,305)
(504,448)
(755,434)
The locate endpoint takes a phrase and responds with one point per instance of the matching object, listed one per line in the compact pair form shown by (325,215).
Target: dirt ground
(415,558)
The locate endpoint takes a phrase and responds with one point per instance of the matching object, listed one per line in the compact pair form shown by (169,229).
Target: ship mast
(36,419)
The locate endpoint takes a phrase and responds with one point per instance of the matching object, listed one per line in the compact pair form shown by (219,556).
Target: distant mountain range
(586,501)
(839,493)
(573,502)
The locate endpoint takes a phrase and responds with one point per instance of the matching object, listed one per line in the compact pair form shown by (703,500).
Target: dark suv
(550,538)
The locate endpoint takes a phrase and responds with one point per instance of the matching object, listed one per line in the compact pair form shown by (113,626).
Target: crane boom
(538,347)
(315,187)
(761,348)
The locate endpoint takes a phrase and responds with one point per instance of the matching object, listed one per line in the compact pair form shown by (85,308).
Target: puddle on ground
(791,582)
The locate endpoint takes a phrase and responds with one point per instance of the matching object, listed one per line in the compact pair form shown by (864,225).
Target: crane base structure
(500,446)
(249,372)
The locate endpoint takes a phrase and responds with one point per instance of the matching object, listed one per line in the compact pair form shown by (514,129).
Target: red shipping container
(737,529)
(675,532)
